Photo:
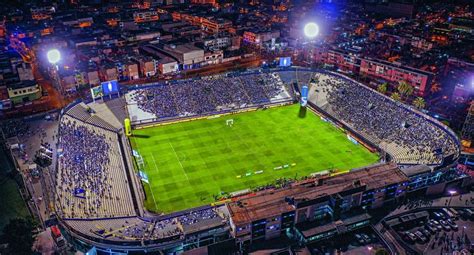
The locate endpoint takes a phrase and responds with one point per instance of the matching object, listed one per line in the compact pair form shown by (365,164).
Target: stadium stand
(206,96)
(90,168)
(408,136)
(95,200)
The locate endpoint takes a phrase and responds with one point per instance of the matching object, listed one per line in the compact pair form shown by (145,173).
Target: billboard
(143,176)
(352,139)
(110,87)
(285,61)
(304,95)
(80,193)
(96,92)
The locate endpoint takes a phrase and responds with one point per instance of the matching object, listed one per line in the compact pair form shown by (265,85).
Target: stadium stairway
(112,112)
(118,108)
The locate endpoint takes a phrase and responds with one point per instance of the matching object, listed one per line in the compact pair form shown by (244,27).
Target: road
(56,100)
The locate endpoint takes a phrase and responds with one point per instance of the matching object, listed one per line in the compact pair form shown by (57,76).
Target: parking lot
(443,231)
(360,242)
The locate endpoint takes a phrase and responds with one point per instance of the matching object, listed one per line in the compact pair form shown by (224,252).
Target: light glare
(311,30)
(54,56)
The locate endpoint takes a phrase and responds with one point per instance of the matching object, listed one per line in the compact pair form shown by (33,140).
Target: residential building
(270,214)
(188,55)
(396,72)
(24,91)
(259,36)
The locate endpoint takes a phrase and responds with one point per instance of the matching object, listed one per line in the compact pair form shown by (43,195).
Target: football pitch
(189,163)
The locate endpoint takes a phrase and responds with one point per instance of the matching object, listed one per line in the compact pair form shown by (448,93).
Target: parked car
(366,238)
(430,227)
(420,237)
(425,232)
(455,213)
(439,216)
(408,236)
(445,225)
(462,214)
(436,225)
(469,213)
(360,239)
(447,213)
(452,224)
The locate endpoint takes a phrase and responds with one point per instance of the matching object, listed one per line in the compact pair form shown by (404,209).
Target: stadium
(197,159)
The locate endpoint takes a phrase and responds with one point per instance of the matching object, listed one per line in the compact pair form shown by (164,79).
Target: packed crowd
(135,229)
(14,127)
(196,216)
(210,94)
(84,158)
(90,171)
(378,116)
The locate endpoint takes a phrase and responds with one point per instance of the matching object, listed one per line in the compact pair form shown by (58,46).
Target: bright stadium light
(54,56)
(311,30)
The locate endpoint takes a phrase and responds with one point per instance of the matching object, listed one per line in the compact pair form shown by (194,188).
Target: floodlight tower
(467,133)
(54,56)
(311,31)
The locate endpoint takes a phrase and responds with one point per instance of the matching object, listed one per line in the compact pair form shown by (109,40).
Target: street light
(311,30)
(452,193)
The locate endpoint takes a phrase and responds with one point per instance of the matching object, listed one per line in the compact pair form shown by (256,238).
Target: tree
(18,235)
(435,88)
(405,89)
(381,251)
(396,96)
(419,103)
(382,88)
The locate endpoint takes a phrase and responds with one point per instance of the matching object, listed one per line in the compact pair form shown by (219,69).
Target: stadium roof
(272,202)
(415,170)
(203,225)
(311,229)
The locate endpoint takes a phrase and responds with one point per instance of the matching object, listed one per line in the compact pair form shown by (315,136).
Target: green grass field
(189,163)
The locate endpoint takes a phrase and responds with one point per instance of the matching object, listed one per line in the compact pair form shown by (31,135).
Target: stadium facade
(111,217)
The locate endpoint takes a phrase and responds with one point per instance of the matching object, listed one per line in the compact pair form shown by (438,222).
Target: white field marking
(153,193)
(182,168)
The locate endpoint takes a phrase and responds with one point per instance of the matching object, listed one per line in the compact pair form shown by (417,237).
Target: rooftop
(272,202)
(22,84)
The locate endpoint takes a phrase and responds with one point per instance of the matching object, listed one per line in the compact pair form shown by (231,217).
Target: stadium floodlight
(53,56)
(311,30)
